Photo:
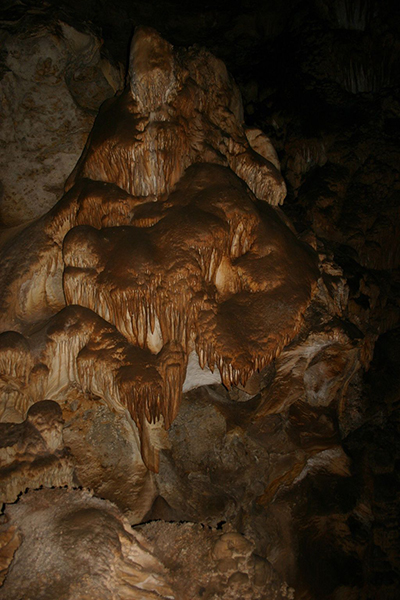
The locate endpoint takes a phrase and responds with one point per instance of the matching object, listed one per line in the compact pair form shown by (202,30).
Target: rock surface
(303,459)
(54,78)
(32,453)
(203,264)
(77,547)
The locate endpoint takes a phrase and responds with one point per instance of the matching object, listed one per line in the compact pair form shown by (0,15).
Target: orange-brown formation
(77,347)
(160,248)
(181,108)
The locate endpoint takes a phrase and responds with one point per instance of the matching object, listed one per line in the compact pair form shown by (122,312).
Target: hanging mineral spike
(161,249)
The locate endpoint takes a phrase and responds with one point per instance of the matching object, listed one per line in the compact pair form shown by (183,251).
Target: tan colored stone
(54,79)
(75,547)
(232,545)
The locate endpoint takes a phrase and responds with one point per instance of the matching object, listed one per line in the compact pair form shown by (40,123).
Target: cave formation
(172,345)
(186,263)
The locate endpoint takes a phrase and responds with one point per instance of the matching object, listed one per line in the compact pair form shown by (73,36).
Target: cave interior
(199,300)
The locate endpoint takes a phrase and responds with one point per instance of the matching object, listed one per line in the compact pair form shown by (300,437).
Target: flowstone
(167,265)
(159,249)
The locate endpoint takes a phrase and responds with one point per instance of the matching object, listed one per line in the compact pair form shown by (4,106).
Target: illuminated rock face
(71,545)
(54,78)
(181,108)
(160,248)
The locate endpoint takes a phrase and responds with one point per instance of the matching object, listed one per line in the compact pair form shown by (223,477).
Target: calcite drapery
(159,248)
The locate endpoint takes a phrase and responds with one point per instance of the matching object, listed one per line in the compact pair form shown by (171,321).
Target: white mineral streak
(333,460)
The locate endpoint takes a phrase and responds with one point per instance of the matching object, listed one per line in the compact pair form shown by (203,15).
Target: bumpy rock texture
(54,79)
(32,453)
(289,478)
(158,560)
(85,535)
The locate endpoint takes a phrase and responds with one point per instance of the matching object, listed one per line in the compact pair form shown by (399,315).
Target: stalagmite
(160,249)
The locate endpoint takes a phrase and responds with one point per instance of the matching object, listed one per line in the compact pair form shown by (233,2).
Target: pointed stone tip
(151,68)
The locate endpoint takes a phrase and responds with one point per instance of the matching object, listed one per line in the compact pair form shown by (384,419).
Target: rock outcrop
(54,78)
(77,546)
(172,318)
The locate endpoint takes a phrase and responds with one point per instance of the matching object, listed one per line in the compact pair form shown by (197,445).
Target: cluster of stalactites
(77,347)
(164,305)
(231,374)
(161,248)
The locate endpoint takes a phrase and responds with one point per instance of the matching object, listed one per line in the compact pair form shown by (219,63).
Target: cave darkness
(322,79)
